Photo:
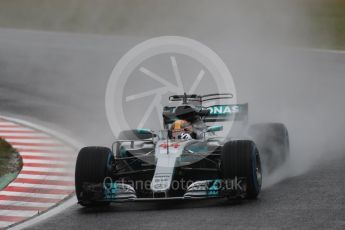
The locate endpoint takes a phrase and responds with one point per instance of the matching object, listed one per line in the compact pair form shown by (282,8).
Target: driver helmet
(180,127)
(184,136)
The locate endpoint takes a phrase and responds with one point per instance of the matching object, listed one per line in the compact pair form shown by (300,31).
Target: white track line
(33,195)
(16,128)
(52,148)
(33,141)
(4,224)
(7,123)
(39,169)
(47,154)
(17,213)
(26,204)
(36,135)
(62,163)
(325,50)
(44,177)
(60,156)
(47,186)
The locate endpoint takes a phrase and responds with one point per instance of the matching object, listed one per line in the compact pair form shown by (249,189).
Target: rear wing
(199,99)
(216,113)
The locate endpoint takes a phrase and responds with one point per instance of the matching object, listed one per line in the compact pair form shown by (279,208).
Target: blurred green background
(320,24)
(328,23)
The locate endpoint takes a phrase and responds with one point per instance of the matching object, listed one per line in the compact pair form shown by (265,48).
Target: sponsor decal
(161,182)
(172,145)
(214,189)
(224,109)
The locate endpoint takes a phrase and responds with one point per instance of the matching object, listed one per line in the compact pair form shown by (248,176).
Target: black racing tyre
(93,165)
(241,159)
(272,140)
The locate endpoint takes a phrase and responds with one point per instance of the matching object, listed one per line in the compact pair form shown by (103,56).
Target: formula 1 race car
(185,160)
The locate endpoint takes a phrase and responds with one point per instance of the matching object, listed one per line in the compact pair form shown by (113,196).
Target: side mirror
(215,128)
(145,131)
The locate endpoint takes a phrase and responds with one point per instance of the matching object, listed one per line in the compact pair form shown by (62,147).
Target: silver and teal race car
(158,165)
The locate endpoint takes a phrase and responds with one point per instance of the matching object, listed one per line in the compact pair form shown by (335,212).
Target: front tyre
(93,165)
(240,160)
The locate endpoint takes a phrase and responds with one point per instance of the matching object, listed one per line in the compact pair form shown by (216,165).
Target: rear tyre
(93,165)
(240,159)
(272,140)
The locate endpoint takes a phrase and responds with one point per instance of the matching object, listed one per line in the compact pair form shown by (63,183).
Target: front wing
(206,189)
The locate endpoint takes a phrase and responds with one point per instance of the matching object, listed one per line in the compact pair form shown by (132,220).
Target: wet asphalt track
(59,81)
(313,201)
